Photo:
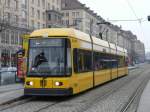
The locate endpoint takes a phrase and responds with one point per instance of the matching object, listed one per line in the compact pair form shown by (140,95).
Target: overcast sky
(125,10)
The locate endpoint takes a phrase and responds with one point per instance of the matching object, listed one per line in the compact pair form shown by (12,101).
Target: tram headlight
(58,83)
(29,83)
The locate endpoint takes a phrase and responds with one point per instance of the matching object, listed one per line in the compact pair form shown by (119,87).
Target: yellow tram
(65,61)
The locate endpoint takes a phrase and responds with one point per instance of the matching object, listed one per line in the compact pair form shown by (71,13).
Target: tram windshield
(49,57)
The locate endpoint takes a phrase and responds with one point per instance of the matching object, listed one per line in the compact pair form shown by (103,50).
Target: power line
(130,6)
(140,20)
(128,20)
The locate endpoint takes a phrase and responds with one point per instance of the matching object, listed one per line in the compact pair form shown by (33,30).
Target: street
(110,97)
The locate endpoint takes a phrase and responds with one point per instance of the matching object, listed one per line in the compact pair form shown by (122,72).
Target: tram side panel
(102,68)
(121,67)
(83,69)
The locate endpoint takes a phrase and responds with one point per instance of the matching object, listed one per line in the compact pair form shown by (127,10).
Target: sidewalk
(10,92)
(5,88)
(144,104)
(132,67)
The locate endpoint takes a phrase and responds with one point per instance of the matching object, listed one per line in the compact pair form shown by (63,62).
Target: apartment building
(44,13)
(109,33)
(139,51)
(23,16)
(10,33)
(77,15)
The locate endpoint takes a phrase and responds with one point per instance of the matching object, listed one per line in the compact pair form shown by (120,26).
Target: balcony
(53,18)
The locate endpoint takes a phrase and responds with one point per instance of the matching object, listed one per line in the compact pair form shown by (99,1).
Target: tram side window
(101,61)
(121,61)
(114,64)
(82,61)
(97,64)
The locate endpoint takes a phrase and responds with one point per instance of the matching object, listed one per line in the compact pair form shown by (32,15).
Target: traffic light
(148,17)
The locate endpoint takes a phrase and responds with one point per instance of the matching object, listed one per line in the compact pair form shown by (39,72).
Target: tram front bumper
(47,92)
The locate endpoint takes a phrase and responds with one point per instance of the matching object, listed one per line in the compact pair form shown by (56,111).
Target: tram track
(15,102)
(51,104)
(94,100)
(108,93)
(136,94)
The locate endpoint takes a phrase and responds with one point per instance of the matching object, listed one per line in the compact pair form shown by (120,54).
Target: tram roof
(76,34)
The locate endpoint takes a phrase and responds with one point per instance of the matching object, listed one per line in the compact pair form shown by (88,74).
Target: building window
(43,3)
(38,24)
(3,37)
(75,22)
(16,19)
(32,1)
(5,55)
(56,18)
(7,2)
(38,2)
(53,8)
(67,14)
(49,6)
(7,37)
(38,12)
(43,25)
(16,38)
(67,22)
(24,2)
(49,17)
(44,16)
(73,14)
(12,37)
(13,59)
(20,38)
(77,14)
(24,15)
(32,23)
(32,13)
(16,4)
(8,16)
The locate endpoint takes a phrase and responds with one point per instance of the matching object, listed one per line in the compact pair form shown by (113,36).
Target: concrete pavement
(10,92)
(144,104)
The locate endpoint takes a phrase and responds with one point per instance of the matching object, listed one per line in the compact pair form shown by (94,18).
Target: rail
(136,93)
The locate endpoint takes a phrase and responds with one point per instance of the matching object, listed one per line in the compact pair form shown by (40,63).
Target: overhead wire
(132,9)
(140,20)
